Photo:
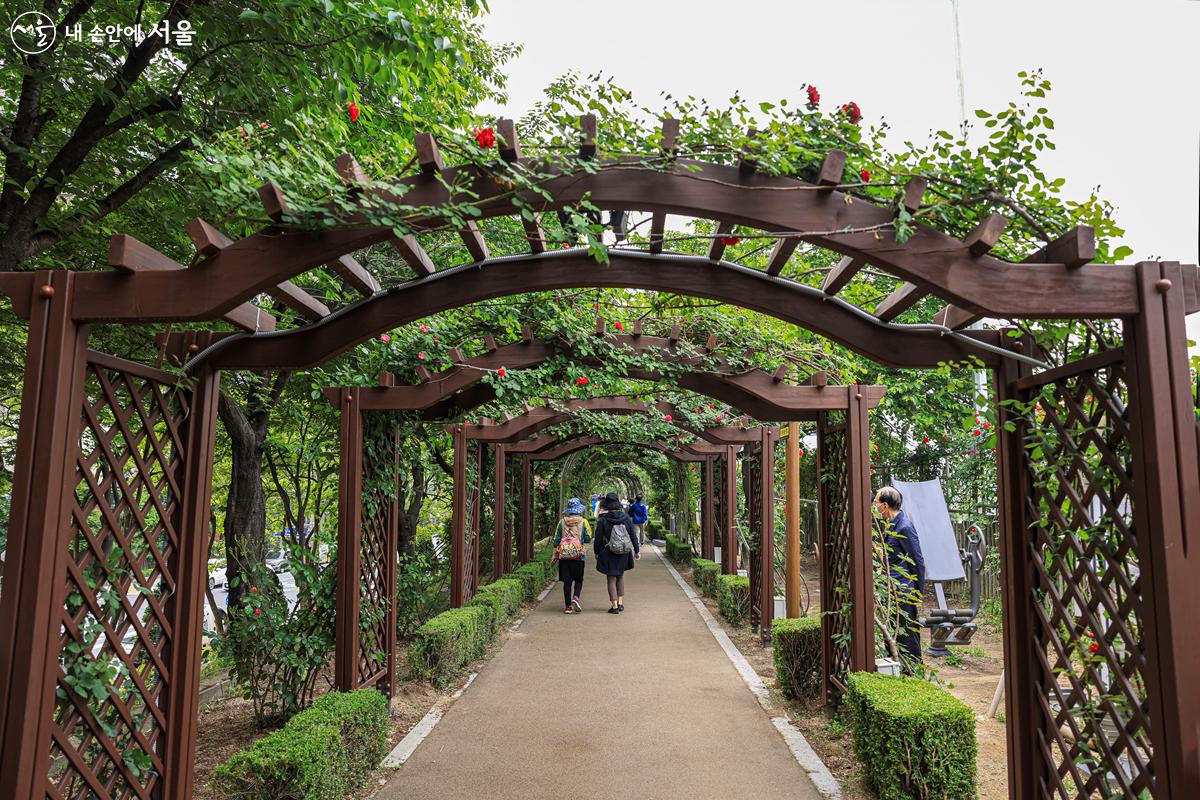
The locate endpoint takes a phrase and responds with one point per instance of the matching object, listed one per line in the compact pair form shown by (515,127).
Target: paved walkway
(595,706)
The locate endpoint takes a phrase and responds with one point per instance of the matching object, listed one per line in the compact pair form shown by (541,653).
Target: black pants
(571,574)
(908,638)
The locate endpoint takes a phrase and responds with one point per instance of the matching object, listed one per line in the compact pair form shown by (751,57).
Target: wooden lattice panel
(473,500)
(109,725)
(835,462)
(752,467)
(377,552)
(1094,736)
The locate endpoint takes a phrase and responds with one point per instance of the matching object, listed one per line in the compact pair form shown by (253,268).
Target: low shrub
(544,557)
(322,753)
(797,646)
(444,646)
(914,739)
(678,551)
(532,577)
(510,591)
(495,615)
(704,573)
(733,598)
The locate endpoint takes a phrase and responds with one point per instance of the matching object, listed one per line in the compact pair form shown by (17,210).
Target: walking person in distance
(616,548)
(572,534)
(639,514)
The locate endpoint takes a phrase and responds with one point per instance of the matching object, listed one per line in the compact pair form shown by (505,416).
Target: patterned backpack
(571,547)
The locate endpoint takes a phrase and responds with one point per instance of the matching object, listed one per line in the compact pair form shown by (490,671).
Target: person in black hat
(616,548)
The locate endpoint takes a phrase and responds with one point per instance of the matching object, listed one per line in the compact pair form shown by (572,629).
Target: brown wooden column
(707,523)
(526,542)
(791,563)
(825,567)
(458,519)
(38,535)
(186,607)
(499,535)
(1166,485)
(350,467)
(766,521)
(729,541)
(858,500)
(1017,582)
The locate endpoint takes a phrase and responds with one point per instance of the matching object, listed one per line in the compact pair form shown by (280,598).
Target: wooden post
(766,521)
(186,607)
(526,544)
(707,523)
(1021,705)
(1166,478)
(38,535)
(346,631)
(791,563)
(858,500)
(499,536)
(458,514)
(729,542)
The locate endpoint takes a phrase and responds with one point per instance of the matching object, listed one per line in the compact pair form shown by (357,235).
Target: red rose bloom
(420,356)
(975,432)
(258,612)
(1093,647)
(486,137)
(865,175)
(925,440)
(385,338)
(814,97)
(729,241)
(618,326)
(502,372)
(852,112)
(353,109)
(667,417)
(581,380)
(801,452)
(424,329)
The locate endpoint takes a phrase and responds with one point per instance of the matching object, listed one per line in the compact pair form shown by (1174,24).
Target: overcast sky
(1125,99)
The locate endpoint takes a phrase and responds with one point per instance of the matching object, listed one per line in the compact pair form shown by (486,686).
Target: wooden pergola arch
(116,458)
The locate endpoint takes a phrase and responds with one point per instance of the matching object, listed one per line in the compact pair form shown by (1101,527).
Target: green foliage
(275,655)
(797,646)
(444,646)
(494,606)
(704,573)
(678,551)
(914,739)
(321,754)
(510,592)
(733,598)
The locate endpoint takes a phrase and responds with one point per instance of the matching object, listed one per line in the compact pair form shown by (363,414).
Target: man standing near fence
(905,567)
(639,514)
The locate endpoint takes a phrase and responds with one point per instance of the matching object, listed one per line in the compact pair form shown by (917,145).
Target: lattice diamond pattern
(835,462)
(109,721)
(1094,737)
(472,507)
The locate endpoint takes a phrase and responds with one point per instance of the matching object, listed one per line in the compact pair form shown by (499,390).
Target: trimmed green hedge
(492,603)
(678,551)
(532,577)
(704,573)
(914,739)
(322,753)
(510,591)
(444,646)
(797,646)
(544,557)
(733,598)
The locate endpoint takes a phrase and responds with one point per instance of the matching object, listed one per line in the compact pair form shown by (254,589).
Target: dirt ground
(972,679)
(227,725)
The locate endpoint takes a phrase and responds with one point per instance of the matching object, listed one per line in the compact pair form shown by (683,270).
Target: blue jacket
(639,513)
(906,565)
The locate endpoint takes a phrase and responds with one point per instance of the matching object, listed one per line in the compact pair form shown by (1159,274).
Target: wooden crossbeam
(748,163)
(208,240)
(587,142)
(914,192)
(510,146)
(129,255)
(903,298)
(716,247)
(352,174)
(819,379)
(780,373)
(986,234)
(832,169)
(670,132)
(429,158)
(414,255)
(429,155)
(354,274)
(473,239)
(954,317)
(1074,248)
(841,274)
(349,171)
(658,220)
(781,253)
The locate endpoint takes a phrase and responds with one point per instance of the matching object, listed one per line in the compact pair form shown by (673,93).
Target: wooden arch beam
(696,276)
(945,266)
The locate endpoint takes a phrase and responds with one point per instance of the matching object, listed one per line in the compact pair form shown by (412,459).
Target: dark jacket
(639,513)
(612,563)
(906,565)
